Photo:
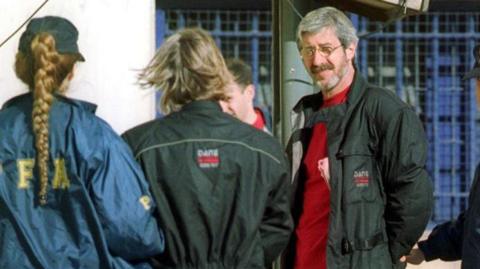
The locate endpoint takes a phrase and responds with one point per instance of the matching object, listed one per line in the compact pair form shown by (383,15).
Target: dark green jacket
(222,188)
(381,196)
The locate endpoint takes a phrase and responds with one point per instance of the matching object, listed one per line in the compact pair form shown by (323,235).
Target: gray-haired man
(362,195)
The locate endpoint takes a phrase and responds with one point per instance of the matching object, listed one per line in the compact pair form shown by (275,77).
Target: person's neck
(251,116)
(344,83)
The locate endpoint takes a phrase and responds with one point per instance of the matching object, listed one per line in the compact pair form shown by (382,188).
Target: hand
(415,257)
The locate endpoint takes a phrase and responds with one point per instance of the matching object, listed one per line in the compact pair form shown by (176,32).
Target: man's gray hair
(327,17)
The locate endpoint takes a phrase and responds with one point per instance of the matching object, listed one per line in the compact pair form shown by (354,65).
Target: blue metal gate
(421,58)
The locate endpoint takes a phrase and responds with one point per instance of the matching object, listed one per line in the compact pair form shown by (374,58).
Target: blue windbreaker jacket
(99,210)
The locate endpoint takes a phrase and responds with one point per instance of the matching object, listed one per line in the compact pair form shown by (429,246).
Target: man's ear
(350,51)
(250,90)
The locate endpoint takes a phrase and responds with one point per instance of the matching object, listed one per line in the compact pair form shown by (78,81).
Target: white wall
(117,37)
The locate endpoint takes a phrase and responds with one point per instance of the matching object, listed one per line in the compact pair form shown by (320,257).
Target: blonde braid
(44,70)
(45,82)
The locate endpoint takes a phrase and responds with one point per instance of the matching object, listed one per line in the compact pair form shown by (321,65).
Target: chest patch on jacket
(361,178)
(208,158)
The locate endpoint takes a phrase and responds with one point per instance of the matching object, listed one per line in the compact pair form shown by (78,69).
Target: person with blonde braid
(71,194)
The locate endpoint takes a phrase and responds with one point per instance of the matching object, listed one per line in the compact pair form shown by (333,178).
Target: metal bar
(259,34)
(161,27)
(435,115)
(160,31)
(364,49)
(255,52)
(236,28)
(416,72)
(217,29)
(180,20)
(399,60)
(421,35)
(451,194)
(456,143)
(472,111)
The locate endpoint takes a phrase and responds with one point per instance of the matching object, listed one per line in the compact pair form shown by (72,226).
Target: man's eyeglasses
(309,52)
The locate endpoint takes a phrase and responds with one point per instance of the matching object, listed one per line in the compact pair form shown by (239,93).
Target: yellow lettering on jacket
(146,202)
(60,180)
(25,172)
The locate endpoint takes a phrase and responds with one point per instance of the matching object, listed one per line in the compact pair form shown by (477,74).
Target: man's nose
(318,58)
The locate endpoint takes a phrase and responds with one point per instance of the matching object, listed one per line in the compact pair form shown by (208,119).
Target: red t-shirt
(312,229)
(260,120)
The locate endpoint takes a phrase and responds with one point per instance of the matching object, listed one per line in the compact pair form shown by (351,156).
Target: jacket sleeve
(277,223)
(445,241)
(408,188)
(123,202)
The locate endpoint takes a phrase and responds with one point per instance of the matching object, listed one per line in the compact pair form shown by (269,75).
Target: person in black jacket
(362,194)
(458,239)
(222,187)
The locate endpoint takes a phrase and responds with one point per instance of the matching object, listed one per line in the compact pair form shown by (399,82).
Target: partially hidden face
(240,101)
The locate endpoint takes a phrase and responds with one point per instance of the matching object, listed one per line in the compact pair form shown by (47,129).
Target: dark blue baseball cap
(475,72)
(64,32)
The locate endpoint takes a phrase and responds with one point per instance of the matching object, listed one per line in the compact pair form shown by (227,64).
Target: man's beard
(333,81)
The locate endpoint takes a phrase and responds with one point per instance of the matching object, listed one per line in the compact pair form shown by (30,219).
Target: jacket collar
(28,97)
(357,90)
(202,105)
(312,102)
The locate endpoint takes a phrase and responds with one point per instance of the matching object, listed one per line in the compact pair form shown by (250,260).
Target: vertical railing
(455,142)
(255,50)
(217,30)
(180,19)
(399,59)
(472,117)
(435,138)
(160,30)
(160,33)
(363,47)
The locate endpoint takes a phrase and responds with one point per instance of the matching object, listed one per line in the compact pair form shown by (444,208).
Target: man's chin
(326,86)
(320,80)
(320,85)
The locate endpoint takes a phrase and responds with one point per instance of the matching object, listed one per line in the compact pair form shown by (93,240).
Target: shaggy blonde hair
(187,67)
(45,71)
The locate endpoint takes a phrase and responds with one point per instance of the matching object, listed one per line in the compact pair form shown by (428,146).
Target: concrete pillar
(290,80)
